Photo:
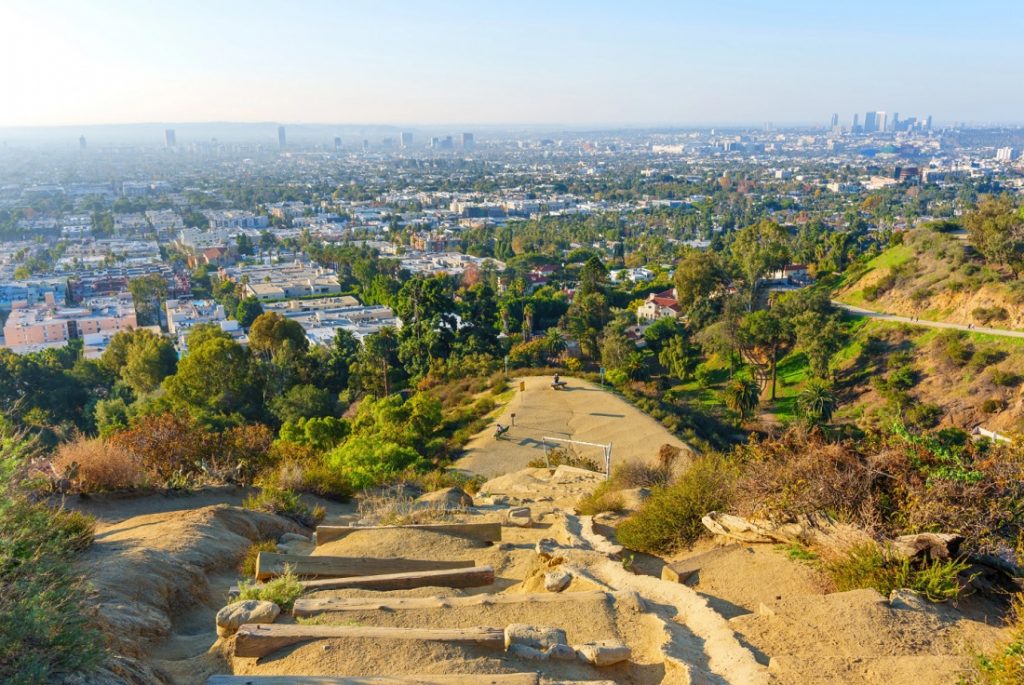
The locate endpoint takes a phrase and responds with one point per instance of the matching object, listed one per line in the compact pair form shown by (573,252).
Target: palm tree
(817,401)
(742,395)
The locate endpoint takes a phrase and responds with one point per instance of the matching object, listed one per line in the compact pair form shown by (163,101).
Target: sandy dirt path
(583,411)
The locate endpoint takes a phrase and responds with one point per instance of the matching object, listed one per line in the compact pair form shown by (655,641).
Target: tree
(149,360)
(817,401)
(302,402)
(149,293)
(742,396)
(759,249)
(764,337)
(679,357)
(593,276)
(820,337)
(270,331)
(699,274)
(661,332)
(248,310)
(996,229)
(377,362)
(215,380)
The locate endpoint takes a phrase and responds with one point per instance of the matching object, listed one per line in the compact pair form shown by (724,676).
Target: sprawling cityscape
(719,380)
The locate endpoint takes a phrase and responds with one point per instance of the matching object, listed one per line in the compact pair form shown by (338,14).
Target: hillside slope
(935,276)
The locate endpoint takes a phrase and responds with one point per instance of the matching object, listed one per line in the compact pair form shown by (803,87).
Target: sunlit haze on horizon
(575,63)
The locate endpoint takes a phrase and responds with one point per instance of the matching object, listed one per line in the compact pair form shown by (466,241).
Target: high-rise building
(468,141)
(81,143)
(835,122)
(281,140)
(1004,154)
(870,122)
(405,140)
(928,123)
(881,121)
(169,138)
(856,123)
(337,142)
(895,125)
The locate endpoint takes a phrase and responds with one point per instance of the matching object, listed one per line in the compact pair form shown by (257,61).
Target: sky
(576,63)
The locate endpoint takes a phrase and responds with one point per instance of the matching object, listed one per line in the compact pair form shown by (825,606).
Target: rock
(293,537)
(928,546)
(603,653)
(447,499)
(546,547)
(816,529)
(248,611)
(561,652)
(557,580)
(529,653)
(538,637)
(518,516)
(907,599)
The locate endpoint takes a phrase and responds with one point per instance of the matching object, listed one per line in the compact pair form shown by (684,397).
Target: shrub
(1006,666)
(993,405)
(602,499)
(274,500)
(986,315)
(671,518)
(168,445)
(561,456)
(282,590)
(311,476)
(986,357)
(45,629)
(954,347)
(368,461)
(1006,379)
(923,415)
(95,465)
(447,478)
(868,565)
(247,567)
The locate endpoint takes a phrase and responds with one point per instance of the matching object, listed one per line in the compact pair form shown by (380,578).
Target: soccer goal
(604,451)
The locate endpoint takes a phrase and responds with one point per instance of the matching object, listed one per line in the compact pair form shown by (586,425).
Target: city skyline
(456,63)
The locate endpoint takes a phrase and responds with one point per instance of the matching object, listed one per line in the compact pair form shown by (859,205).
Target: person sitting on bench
(500,430)
(558,384)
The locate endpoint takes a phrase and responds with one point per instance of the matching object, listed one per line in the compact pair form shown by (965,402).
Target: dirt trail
(583,411)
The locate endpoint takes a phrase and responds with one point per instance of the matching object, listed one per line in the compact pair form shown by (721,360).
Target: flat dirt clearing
(583,411)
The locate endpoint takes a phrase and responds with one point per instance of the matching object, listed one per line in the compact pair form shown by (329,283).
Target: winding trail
(882,316)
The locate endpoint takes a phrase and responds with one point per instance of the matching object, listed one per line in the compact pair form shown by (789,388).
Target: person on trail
(500,430)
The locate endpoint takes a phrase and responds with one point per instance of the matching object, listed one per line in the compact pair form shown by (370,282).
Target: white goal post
(607,449)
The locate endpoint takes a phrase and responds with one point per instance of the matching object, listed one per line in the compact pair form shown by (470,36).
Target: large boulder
(537,637)
(557,580)
(447,499)
(246,611)
(928,546)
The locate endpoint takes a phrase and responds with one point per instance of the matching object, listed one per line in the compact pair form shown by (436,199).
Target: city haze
(462,63)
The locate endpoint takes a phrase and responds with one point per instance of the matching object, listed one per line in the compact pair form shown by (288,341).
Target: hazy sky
(505,61)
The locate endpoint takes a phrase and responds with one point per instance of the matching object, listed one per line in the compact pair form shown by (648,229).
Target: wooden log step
(312,607)
(458,578)
(271,564)
(259,640)
(454,679)
(478,576)
(485,532)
